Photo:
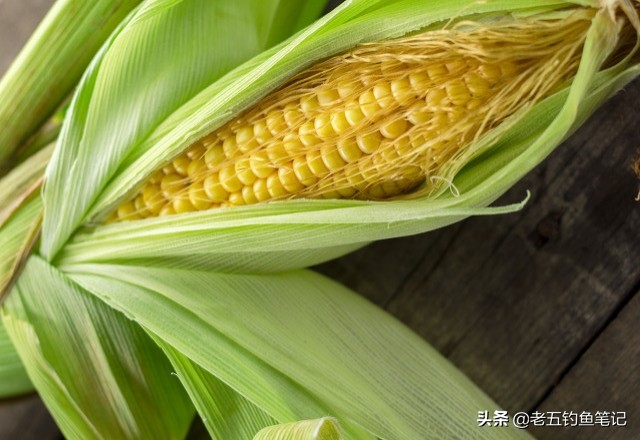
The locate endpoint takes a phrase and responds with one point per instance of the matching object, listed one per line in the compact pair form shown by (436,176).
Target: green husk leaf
(291,235)
(321,429)
(51,63)
(17,238)
(225,413)
(20,213)
(300,346)
(16,185)
(99,374)
(13,377)
(165,55)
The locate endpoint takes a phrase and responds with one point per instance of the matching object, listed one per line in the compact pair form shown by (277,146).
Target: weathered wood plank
(605,378)
(26,418)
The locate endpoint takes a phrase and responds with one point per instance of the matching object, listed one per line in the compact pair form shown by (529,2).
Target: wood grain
(605,378)
(26,418)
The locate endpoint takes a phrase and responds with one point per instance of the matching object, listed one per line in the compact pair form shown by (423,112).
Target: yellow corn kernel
(369,143)
(261,132)
(171,185)
(260,189)
(346,89)
(293,144)
(403,146)
(477,85)
(457,67)
(354,176)
(303,172)
(196,151)
(229,146)
(346,192)
(393,129)
(244,172)
(328,97)
(168,169)
(349,150)
(309,104)
(437,72)
(307,133)
(245,139)
(214,190)
(401,90)
(167,210)
(181,164)
(419,82)
(383,95)
(249,196)
(141,208)
(275,122)
(156,178)
(316,164)
(331,157)
(260,165)
(436,98)
(458,92)
(153,199)
(214,156)
(229,179)
(490,72)
(196,169)
(127,211)
(274,186)
(236,198)
(198,196)
(440,120)
(418,114)
(339,123)
(289,179)
(276,153)
(182,204)
(323,126)
(353,114)
(292,115)
(369,104)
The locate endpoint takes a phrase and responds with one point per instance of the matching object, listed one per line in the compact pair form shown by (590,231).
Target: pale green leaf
(20,181)
(225,413)
(20,211)
(321,429)
(13,377)
(51,63)
(300,346)
(262,238)
(99,374)
(16,237)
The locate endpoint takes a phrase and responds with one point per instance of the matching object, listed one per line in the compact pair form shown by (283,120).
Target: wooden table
(540,308)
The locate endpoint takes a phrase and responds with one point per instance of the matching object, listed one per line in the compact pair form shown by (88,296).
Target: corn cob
(384,120)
